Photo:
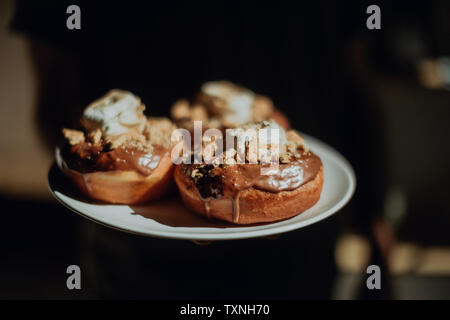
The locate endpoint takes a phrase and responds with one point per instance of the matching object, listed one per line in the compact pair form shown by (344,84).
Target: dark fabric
(298,55)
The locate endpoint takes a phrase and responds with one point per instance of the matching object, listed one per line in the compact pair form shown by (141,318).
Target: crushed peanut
(181,110)
(74,136)
(291,147)
(295,137)
(262,108)
(195,173)
(116,142)
(285,157)
(131,139)
(159,130)
(198,113)
(95,136)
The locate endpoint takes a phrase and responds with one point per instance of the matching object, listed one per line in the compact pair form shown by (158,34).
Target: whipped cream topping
(238,100)
(115,113)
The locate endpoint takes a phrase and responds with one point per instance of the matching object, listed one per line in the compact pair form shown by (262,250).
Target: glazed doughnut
(118,155)
(241,194)
(255,206)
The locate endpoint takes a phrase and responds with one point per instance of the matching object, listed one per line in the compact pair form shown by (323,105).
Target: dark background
(361,91)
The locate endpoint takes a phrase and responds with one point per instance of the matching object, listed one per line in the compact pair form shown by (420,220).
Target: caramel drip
(236,206)
(87,183)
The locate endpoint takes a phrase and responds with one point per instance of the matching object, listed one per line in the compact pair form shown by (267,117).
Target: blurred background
(380,97)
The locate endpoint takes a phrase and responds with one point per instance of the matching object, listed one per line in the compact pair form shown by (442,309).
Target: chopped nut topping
(285,157)
(95,136)
(198,113)
(295,137)
(262,108)
(116,142)
(291,147)
(159,131)
(195,173)
(181,110)
(130,139)
(74,136)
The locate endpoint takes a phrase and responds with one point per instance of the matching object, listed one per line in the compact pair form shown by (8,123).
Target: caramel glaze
(229,181)
(87,157)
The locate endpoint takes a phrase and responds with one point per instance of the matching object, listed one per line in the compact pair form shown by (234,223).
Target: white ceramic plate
(170,219)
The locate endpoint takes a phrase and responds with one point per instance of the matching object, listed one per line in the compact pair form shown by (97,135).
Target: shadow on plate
(169,211)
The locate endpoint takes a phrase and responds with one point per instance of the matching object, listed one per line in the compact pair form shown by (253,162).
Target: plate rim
(338,158)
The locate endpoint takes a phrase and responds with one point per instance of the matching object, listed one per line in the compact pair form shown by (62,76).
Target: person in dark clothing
(163,52)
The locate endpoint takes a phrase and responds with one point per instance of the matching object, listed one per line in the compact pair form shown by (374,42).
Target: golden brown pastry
(118,155)
(240,193)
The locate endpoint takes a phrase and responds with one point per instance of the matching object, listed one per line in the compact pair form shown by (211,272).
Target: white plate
(170,219)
